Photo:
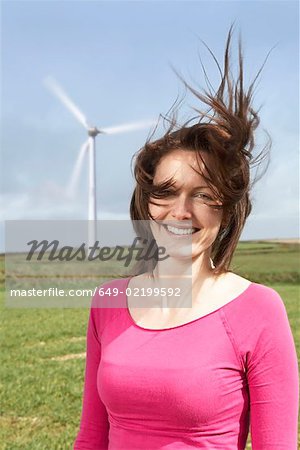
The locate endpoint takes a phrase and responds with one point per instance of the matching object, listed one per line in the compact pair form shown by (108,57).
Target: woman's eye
(204,196)
(209,200)
(167,193)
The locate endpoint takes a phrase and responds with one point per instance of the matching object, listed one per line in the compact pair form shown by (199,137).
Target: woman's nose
(181,208)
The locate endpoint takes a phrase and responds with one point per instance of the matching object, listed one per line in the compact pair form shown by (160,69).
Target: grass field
(43,354)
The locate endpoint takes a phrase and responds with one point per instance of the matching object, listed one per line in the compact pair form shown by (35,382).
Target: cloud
(49,201)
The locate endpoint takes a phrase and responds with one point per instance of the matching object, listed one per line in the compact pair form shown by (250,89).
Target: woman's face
(193,225)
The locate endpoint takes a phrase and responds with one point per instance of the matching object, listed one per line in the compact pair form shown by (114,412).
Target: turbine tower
(89,148)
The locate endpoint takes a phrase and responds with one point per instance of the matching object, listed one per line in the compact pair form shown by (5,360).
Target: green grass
(41,397)
(264,262)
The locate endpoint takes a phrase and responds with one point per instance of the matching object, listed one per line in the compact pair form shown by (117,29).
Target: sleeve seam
(94,326)
(110,321)
(232,340)
(111,318)
(98,331)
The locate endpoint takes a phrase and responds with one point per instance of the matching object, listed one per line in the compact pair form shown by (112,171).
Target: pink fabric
(192,386)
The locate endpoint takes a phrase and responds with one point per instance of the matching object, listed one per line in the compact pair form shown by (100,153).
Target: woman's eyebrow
(176,187)
(201,187)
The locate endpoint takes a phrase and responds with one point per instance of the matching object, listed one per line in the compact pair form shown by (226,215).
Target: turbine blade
(128,127)
(58,91)
(71,188)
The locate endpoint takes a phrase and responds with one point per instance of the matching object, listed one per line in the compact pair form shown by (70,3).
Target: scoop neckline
(242,294)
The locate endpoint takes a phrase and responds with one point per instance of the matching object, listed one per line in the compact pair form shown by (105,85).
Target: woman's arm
(273,381)
(94,426)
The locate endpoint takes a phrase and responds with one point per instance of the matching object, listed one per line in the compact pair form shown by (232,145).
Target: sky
(114,60)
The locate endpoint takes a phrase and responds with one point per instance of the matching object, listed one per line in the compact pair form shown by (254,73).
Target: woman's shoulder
(259,305)
(257,320)
(109,292)
(259,292)
(233,286)
(108,300)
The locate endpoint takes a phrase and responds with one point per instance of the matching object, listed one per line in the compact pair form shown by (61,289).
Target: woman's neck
(185,276)
(192,268)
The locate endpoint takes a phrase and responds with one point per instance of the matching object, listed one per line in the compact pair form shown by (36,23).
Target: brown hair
(226,134)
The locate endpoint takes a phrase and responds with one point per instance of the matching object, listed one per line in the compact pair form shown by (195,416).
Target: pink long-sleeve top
(195,385)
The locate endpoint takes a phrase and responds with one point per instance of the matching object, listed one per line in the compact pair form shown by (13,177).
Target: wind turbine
(89,148)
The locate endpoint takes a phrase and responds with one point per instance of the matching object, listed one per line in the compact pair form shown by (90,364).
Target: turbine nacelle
(93,131)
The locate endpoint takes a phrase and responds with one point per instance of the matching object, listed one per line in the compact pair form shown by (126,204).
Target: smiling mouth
(180,231)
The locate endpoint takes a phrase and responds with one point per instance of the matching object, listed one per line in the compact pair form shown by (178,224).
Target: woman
(191,370)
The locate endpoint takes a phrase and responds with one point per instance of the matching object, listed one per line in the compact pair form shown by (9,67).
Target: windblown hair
(225,133)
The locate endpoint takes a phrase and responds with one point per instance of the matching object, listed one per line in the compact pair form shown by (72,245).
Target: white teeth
(181,231)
